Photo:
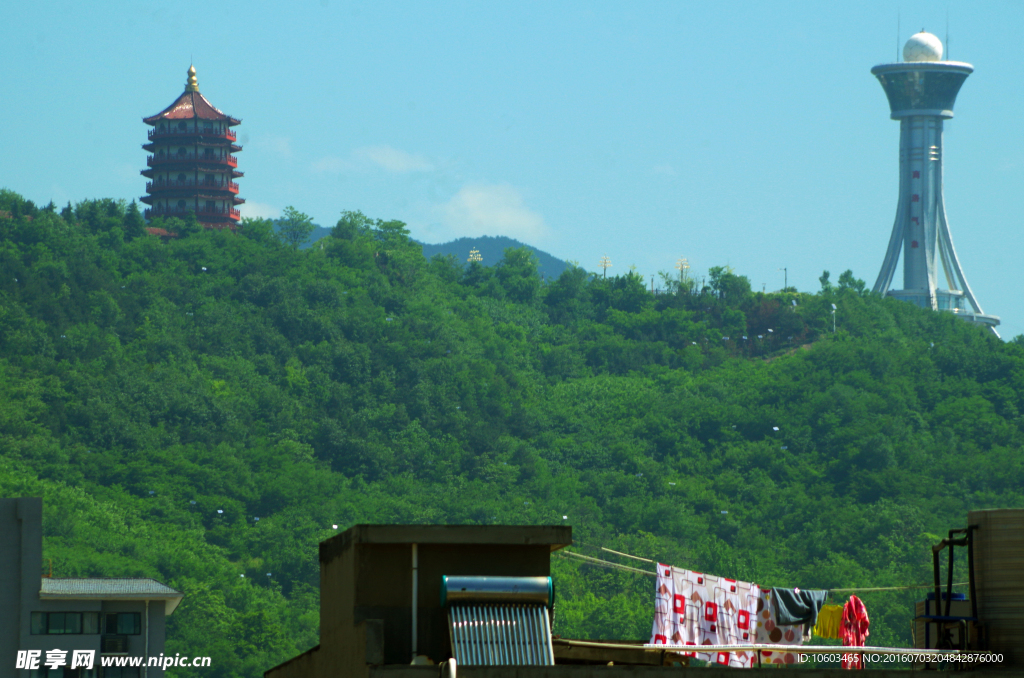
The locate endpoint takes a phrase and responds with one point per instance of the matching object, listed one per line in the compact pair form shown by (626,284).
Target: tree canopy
(202,407)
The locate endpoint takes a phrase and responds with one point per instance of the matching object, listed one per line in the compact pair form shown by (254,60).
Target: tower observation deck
(922,90)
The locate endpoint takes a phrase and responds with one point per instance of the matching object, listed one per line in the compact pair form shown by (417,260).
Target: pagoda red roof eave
(188,106)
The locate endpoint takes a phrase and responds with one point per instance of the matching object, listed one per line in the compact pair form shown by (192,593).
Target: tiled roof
(136,589)
(190,105)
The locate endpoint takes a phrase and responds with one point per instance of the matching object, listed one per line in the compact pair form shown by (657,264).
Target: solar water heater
(496,621)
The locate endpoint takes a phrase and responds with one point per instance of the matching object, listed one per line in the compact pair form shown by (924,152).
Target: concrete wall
(303,666)
(21,569)
(11,539)
(21,561)
(154,628)
(366,586)
(998,569)
(381,589)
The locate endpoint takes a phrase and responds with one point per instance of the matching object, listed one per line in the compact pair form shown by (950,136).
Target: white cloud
(280,145)
(331,165)
(393,160)
(258,210)
(492,209)
(127,170)
(370,157)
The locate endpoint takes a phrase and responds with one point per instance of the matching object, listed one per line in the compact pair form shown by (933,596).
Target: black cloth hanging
(797,606)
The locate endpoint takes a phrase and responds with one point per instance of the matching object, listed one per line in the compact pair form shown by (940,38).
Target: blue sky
(740,133)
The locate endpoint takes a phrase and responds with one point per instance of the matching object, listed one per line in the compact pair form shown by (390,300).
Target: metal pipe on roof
(415,596)
(546,635)
(474,636)
(493,647)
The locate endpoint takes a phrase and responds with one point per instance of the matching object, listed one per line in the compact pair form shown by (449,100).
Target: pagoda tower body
(192,168)
(922,90)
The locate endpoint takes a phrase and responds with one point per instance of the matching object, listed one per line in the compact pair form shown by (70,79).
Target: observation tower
(192,165)
(921,90)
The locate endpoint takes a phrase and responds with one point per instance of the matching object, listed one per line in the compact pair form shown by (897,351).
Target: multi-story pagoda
(191,167)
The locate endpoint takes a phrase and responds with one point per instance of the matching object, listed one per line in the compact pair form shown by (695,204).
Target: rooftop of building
(554,536)
(112,588)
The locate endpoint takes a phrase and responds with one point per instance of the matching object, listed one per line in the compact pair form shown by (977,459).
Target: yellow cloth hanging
(828,621)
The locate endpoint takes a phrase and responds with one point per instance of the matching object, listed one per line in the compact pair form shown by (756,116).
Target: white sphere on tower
(922,47)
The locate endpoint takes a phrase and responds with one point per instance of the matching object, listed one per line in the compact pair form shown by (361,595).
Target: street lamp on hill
(683,266)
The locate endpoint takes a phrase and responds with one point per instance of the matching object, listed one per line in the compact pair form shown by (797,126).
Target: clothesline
(892,588)
(606,563)
(627,568)
(620,553)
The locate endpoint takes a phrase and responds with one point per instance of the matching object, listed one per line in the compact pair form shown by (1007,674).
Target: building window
(182,126)
(917,174)
(915,198)
(61,623)
(181,204)
(123,623)
(181,178)
(182,152)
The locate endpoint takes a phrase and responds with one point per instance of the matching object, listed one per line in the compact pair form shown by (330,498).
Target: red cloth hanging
(854,630)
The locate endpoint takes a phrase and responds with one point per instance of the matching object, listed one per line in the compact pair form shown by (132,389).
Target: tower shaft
(919,211)
(921,96)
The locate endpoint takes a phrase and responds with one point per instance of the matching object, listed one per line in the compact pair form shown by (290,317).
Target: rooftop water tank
(999,573)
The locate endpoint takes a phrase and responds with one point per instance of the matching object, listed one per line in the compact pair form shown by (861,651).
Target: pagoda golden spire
(191,85)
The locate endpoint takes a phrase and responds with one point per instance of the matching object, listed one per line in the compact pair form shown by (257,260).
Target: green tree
(728,285)
(134,224)
(847,281)
(260,230)
(295,227)
(186,226)
(517,273)
(352,225)
(199,409)
(824,280)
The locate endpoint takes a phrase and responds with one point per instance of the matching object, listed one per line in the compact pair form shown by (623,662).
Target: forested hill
(203,410)
(492,249)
